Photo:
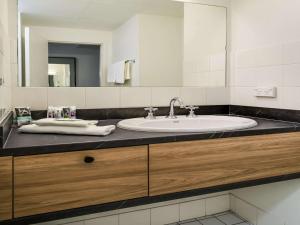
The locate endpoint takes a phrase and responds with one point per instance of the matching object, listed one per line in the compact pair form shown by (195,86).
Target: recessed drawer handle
(89,159)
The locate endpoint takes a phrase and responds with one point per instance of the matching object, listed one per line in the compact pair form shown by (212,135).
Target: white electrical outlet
(267,92)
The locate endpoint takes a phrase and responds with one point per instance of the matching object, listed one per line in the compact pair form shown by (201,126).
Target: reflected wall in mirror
(121,43)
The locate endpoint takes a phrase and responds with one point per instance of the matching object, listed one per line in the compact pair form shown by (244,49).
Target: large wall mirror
(100,43)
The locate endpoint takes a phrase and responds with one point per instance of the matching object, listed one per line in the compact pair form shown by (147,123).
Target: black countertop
(19,144)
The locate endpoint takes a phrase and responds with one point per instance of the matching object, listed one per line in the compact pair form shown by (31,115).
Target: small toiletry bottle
(73,112)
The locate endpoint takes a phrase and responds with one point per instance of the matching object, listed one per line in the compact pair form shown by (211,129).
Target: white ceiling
(92,14)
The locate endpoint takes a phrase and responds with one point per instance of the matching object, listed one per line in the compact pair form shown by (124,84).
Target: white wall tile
(193,96)
(264,218)
(66,97)
(36,98)
(164,215)
(217,96)
(138,217)
(135,97)
(161,96)
(290,101)
(109,220)
(277,102)
(76,223)
(259,76)
(260,57)
(14,51)
(193,209)
(245,210)
(102,97)
(232,202)
(217,204)
(291,75)
(291,53)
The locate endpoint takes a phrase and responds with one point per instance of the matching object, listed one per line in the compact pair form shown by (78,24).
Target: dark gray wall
(87,61)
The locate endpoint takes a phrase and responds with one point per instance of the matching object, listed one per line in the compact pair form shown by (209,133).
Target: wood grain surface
(181,166)
(47,183)
(5,188)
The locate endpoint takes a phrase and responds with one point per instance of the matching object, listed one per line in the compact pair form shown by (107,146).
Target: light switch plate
(267,92)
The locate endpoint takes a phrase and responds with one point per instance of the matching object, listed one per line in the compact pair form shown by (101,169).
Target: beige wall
(266,52)
(36,58)
(126,46)
(65,35)
(8,50)
(161,44)
(204,45)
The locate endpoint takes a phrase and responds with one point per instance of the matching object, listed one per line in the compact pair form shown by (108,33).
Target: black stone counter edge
(47,149)
(5,128)
(143,201)
(267,113)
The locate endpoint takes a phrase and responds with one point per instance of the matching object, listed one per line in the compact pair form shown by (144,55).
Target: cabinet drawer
(47,183)
(176,167)
(5,188)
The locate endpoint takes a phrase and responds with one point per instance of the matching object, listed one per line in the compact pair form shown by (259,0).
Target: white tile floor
(226,218)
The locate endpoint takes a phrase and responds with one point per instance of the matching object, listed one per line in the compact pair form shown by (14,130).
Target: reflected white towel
(64,122)
(91,130)
(119,70)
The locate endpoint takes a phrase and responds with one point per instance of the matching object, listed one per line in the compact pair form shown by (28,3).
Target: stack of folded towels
(67,126)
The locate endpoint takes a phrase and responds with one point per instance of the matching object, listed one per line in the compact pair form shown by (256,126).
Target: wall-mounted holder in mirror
(171,43)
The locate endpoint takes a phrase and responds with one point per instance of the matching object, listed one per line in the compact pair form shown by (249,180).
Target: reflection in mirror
(121,43)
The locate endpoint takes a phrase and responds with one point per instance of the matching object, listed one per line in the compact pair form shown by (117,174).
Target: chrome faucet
(172,103)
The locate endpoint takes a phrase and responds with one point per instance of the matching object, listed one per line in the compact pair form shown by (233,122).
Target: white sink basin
(185,124)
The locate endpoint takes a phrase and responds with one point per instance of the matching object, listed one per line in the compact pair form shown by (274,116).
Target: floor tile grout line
(221,220)
(215,216)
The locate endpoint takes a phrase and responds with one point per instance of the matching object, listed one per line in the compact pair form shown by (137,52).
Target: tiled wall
(158,213)
(8,51)
(265,41)
(274,66)
(113,97)
(252,213)
(265,45)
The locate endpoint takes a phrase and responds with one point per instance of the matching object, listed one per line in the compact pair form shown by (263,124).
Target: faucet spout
(172,103)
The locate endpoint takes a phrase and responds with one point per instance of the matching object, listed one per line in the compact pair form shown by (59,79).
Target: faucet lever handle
(192,110)
(191,107)
(151,111)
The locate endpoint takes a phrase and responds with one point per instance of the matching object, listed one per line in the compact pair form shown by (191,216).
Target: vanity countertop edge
(19,144)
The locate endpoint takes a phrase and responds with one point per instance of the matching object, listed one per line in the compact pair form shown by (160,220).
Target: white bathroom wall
(265,43)
(126,46)
(8,51)
(70,35)
(155,43)
(36,58)
(161,44)
(266,52)
(115,97)
(204,45)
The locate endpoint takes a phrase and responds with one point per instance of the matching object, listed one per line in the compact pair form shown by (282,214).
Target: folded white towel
(64,122)
(119,69)
(91,130)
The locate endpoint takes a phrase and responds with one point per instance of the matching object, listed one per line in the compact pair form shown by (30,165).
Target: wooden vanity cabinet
(5,188)
(53,182)
(182,166)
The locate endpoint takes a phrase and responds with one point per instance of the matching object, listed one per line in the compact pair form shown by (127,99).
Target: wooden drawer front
(176,167)
(47,183)
(5,188)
